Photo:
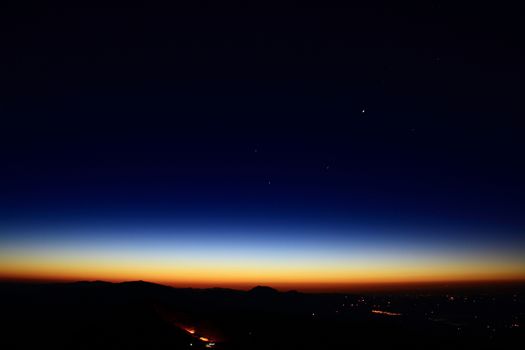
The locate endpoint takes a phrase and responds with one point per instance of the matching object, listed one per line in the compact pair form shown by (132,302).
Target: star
(363,111)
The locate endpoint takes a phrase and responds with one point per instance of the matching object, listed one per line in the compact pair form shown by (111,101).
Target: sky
(302,147)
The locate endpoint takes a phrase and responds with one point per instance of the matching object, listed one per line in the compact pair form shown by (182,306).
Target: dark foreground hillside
(141,315)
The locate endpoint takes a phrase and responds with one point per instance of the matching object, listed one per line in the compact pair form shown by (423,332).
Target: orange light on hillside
(204,339)
(190,330)
(387,313)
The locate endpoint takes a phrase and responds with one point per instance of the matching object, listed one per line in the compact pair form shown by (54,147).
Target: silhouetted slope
(143,315)
(263,290)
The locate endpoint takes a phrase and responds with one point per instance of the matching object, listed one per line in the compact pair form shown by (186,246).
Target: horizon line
(286,287)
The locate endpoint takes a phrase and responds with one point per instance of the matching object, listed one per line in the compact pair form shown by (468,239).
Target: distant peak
(141,283)
(264,290)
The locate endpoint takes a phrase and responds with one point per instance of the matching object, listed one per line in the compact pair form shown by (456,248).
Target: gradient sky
(279,255)
(301,148)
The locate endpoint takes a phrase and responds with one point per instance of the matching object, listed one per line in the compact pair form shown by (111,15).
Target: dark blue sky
(235,149)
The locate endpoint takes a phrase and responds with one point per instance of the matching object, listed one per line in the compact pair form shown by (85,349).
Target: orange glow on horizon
(312,282)
(285,274)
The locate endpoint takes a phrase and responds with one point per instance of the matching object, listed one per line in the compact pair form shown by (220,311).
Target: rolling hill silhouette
(144,315)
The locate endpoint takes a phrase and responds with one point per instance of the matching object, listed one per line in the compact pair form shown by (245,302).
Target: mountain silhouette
(264,290)
(144,315)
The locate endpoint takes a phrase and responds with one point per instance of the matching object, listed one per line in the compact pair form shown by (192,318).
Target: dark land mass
(142,315)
